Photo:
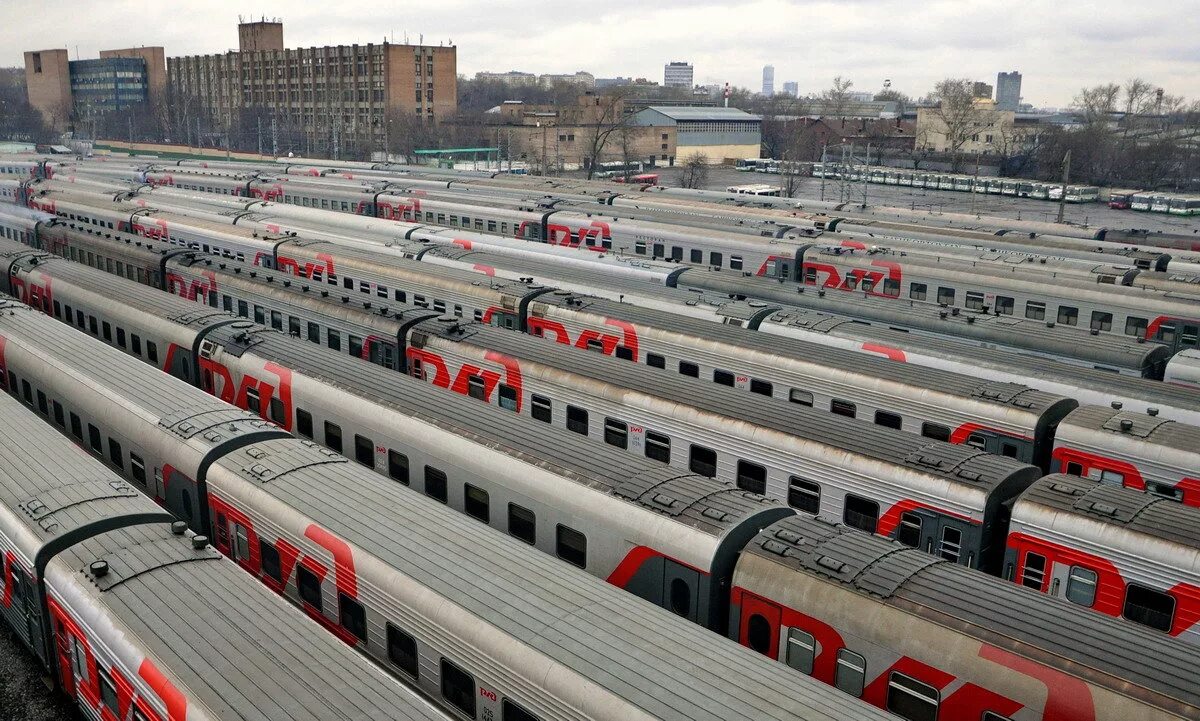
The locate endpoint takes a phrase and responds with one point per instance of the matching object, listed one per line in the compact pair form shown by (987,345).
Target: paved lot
(23,695)
(945,201)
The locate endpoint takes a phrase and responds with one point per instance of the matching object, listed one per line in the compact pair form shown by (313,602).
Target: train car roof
(1117,506)
(1012,396)
(961,465)
(1101,649)
(1138,426)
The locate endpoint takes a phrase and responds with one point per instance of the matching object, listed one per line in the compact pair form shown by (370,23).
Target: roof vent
(1116,405)
(178,527)
(1093,331)
(831,563)
(1049,324)
(99,569)
(1152,412)
(954,311)
(821,293)
(199,542)
(1126,425)
(942,314)
(970,320)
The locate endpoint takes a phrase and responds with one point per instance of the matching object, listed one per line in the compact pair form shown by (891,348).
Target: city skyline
(1058,49)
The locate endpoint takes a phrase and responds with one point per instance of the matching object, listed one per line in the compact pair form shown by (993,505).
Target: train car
(432,597)
(1110,549)
(92,567)
(1184,369)
(828,603)
(1136,450)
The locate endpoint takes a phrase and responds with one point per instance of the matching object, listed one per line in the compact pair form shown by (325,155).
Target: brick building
(65,90)
(338,95)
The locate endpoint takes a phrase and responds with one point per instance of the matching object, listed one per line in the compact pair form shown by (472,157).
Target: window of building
(402,650)
(910,699)
(571,546)
(1081,586)
(703,461)
(861,513)
(522,523)
(752,477)
(1149,607)
(851,672)
(436,486)
(539,408)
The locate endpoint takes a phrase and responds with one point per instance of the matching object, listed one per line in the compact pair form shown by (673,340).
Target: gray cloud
(1058,46)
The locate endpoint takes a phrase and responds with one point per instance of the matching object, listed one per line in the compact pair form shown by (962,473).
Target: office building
(791,88)
(337,96)
(768,83)
(1008,90)
(583,78)
(512,77)
(64,89)
(981,90)
(678,75)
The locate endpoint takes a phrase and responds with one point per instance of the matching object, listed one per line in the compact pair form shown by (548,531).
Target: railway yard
(312,440)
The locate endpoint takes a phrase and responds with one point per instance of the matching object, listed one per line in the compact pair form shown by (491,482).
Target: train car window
(76,427)
(758,633)
(1035,310)
(269,558)
(703,461)
(801,650)
(696,256)
(659,250)
(79,318)
(94,438)
(1149,607)
(724,378)
(115,454)
(260,315)
(398,466)
(436,486)
(475,387)
(1034,574)
(1135,326)
(951,544)
(577,420)
(309,586)
(458,688)
(135,343)
(522,523)
(381,291)
(107,331)
(508,397)
(1005,305)
(851,283)
(945,296)
(275,411)
(843,408)
(439,306)
(595,344)
(639,247)
(1074,469)
(676,253)
(1101,321)
(623,353)
(348,283)
(908,531)
(658,447)
(293,326)
(226,302)
(314,333)
(68,314)
(891,287)
(402,650)
(334,339)
(735,262)
(752,477)
(1081,586)
(810,276)
(58,414)
(276,320)
(108,691)
(861,513)
(57,310)
(509,711)
(364,451)
(851,672)
(799,397)
(936,431)
(253,401)
(888,419)
(43,405)
(910,699)
(401,296)
(1068,315)
(476,503)
(333,436)
(977,440)
(616,433)
(458,311)
(539,408)
(571,546)
(761,387)
(993,716)
(804,495)
(974,300)
(243,309)
(689,369)
(212,298)
(138,467)
(352,616)
(304,423)
(356,347)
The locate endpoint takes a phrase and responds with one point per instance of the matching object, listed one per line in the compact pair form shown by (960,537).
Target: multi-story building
(987,130)
(791,88)
(65,90)
(768,83)
(337,96)
(678,75)
(1008,90)
(585,79)
(981,90)
(513,77)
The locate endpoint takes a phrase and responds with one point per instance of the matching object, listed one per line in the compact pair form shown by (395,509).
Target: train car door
(72,659)
(760,625)
(681,590)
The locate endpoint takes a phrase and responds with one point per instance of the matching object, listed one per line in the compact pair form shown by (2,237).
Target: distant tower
(768,87)
(791,88)
(262,35)
(1008,91)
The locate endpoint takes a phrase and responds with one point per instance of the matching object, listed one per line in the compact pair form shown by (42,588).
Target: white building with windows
(678,75)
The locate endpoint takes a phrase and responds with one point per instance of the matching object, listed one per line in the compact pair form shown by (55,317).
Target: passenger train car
(460,612)
(1184,369)
(132,615)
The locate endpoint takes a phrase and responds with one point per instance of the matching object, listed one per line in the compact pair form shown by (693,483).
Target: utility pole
(1062,200)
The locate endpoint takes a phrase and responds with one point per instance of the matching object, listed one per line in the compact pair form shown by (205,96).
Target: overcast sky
(1058,45)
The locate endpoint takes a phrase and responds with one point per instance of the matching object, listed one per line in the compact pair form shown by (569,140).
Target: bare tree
(902,101)
(837,98)
(957,112)
(1138,95)
(695,171)
(1098,102)
(604,117)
